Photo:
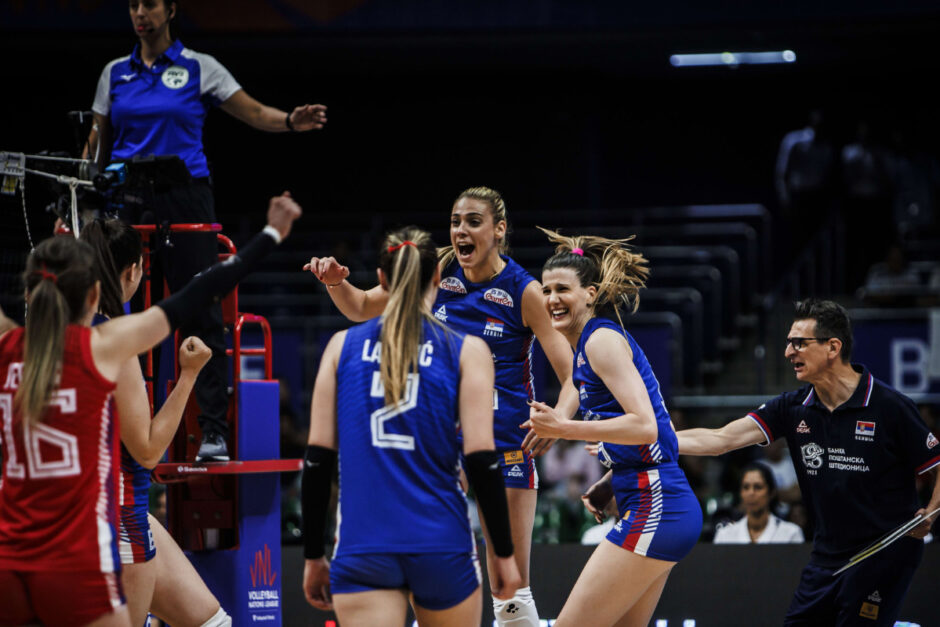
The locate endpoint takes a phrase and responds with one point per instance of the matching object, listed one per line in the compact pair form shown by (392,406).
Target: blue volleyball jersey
(161,109)
(492,310)
(135,539)
(597,403)
(398,464)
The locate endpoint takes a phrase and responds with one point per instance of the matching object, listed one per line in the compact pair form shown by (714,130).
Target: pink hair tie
(577,251)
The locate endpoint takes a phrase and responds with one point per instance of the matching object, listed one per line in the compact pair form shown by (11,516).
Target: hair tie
(577,251)
(392,249)
(45,274)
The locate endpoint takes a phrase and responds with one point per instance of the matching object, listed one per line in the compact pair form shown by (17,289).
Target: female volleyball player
(485,293)
(58,513)
(146,549)
(389,395)
(587,284)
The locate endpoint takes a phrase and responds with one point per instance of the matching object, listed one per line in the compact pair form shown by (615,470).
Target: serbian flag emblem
(864,428)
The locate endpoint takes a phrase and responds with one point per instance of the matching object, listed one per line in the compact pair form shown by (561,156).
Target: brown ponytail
(608,264)
(58,275)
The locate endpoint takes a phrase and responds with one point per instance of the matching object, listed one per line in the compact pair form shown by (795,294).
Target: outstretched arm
(271,119)
(356,304)
(115,341)
(734,435)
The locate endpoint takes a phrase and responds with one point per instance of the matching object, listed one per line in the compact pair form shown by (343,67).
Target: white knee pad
(519,611)
(219,619)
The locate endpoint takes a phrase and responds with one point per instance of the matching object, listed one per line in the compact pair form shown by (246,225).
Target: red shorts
(57,599)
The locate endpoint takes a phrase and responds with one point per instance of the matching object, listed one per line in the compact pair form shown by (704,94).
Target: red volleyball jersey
(59,480)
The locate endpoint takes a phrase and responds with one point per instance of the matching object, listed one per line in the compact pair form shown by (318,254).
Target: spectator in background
(866,210)
(784,474)
(892,281)
(916,177)
(759,525)
(804,178)
(566,459)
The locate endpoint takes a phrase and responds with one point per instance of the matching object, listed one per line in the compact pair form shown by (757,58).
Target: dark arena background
(584,118)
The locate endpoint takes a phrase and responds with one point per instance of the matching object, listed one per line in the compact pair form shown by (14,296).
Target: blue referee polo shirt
(160,110)
(855,465)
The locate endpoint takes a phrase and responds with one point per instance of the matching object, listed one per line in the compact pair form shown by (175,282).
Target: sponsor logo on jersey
(583,392)
(869,610)
(127,77)
(493,327)
(515,471)
(875,597)
(453,284)
(513,457)
(864,430)
(812,456)
(498,296)
(175,77)
(802,427)
(932,440)
(441,313)
(580,360)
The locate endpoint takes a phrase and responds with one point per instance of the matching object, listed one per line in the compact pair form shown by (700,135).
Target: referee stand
(226,516)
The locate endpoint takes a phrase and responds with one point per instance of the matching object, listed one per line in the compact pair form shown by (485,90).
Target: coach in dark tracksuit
(857,445)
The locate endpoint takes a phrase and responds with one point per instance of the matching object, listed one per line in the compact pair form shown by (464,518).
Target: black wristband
(315,485)
(287,121)
(487,482)
(215,282)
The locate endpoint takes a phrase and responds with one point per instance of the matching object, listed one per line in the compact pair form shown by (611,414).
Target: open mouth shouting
(465,251)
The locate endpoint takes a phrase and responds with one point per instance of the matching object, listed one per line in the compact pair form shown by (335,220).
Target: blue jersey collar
(169,56)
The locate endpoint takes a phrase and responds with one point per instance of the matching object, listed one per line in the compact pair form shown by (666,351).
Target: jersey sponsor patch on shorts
(513,457)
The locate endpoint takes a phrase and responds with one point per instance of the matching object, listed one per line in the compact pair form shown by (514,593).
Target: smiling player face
(569,305)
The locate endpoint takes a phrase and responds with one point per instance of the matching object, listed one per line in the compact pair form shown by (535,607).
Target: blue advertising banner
(896,347)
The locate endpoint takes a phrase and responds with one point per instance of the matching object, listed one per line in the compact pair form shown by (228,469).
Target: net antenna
(14,171)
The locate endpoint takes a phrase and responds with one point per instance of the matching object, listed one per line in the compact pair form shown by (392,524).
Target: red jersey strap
(82,335)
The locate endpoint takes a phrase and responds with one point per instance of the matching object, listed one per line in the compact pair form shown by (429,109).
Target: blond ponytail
(408,259)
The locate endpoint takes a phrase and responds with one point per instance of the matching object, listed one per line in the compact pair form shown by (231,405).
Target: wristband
(274,233)
(287,121)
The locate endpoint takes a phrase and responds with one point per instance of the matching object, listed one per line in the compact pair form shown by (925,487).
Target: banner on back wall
(900,347)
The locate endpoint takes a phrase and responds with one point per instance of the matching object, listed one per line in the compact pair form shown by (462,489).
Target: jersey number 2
(67,462)
(379,417)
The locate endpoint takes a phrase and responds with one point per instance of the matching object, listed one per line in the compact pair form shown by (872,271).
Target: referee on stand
(857,445)
(154,102)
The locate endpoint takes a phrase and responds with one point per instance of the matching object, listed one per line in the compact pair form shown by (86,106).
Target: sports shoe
(212,449)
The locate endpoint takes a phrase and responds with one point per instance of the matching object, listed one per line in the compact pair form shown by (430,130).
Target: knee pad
(519,611)
(219,619)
